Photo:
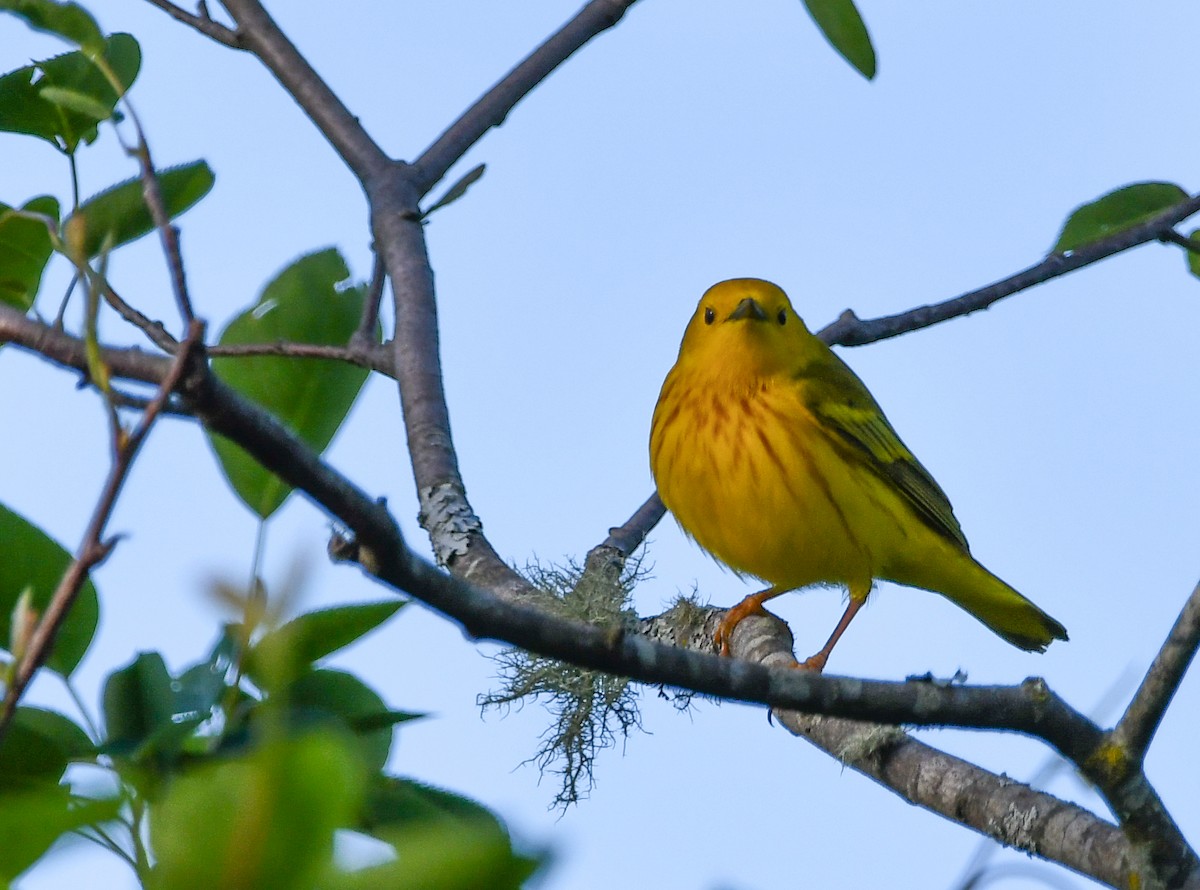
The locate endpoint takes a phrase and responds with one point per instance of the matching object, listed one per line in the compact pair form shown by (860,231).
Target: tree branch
(258,33)
(1031,708)
(628,537)
(201,23)
(849,330)
(489,606)
(371,357)
(1141,719)
(493,107)
(997,807)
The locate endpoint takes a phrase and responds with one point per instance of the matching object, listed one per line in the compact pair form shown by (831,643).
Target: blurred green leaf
(67,20)
(263,820)
(31,821)
(28,95)
(443,856)
(303,304)
(119,214)
(138,702)
(200,687)
(1118,210)
(285,651)
(1193,256)
(394,802)
(24,251)
(383,720)
(324,697)
(30,558)
(37,747)
(843,27)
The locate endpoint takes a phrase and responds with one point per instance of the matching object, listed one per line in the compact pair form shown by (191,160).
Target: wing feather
(839,398)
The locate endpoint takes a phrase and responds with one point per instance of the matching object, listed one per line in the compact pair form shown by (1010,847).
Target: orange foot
(815,663)
(751,605)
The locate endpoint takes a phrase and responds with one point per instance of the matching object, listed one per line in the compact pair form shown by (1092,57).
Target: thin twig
(1189,244)
(494,106)
(168,233)
(373,358)
(93,549)
(202,23)
(1137,726)
(628,537)
(849,330)
(365,336)
(97,372)
(173,407)
(367,355)
(154,330)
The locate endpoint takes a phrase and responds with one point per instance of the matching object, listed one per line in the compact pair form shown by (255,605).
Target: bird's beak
(748,308)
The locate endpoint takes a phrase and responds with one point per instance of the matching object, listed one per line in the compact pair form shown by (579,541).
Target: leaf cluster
(241,770)
(245,768)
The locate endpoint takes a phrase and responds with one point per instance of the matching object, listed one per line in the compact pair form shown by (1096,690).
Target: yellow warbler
(774,457)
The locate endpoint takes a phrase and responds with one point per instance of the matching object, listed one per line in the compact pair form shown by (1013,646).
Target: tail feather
(970,586)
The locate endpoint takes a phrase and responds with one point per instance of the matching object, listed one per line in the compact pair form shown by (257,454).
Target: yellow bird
(775,458)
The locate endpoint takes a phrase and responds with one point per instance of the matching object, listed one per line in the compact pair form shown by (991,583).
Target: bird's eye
(782,316)
(709,316)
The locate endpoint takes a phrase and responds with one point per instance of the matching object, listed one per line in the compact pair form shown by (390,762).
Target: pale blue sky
(697,141)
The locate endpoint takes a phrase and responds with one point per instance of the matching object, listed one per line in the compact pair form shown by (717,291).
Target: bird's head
(746,325)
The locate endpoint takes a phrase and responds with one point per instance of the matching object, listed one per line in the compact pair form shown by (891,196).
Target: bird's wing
(843,403)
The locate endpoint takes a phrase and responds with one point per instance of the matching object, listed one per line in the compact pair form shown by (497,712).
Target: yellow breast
(756,481)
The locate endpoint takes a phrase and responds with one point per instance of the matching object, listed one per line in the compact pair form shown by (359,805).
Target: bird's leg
(749,606)
(817,662)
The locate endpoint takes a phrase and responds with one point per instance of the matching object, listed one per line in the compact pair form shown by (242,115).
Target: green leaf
(435,856)
(138,703)
(263,820)
(200,687)
(31,98)
(23,110)
(394,802)
(31,821)
(1117,211)
(24,251)
(69,21)
(324,697)
(303,304)
(383,720)
(30,558)
(1193,256)
(288,650)
(843,27)
(457,190)
(119,214)
(37,747)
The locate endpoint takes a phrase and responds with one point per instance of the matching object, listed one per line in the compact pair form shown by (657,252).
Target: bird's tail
(969,585)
